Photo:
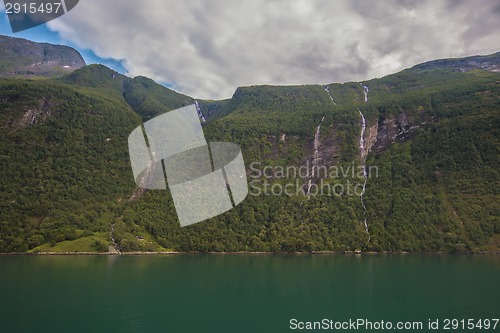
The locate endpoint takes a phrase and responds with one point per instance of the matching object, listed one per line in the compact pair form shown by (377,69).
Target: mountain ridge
(23,57)
(489,62)
(432,133)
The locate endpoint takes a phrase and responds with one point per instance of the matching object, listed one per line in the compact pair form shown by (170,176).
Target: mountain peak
(96,76)
(26,58)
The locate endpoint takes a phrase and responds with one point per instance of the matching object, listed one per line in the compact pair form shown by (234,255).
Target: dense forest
(432,147)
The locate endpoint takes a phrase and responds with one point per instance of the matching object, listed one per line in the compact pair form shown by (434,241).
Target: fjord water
(239,293)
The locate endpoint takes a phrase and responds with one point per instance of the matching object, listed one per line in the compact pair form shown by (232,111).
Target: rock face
(490,63)
(36,114)
(22,57)
(394,128)
(370,139)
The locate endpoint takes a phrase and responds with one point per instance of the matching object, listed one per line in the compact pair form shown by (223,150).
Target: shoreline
(243,253)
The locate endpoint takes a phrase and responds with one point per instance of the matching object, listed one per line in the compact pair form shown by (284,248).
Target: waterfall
(317,143)
(329,94)
(362,148)
(365,90)
(316,157)
(114,247)
(198,109)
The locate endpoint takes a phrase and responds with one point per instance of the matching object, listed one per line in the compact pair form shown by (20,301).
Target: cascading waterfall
(363,155)
(317,143)
(363,164)
(198,109)
(365,90)
(329,94)
(114,245)
(315,160)
(316,146)
(316,153)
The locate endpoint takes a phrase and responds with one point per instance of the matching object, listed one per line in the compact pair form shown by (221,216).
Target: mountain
(427,137)
(489,63)
(23,57)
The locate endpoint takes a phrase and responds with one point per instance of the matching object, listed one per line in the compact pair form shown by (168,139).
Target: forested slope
(430,143)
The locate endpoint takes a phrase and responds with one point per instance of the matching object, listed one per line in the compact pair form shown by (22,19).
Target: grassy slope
(84,244)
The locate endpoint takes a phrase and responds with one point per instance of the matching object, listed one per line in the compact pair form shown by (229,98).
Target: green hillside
(432,147)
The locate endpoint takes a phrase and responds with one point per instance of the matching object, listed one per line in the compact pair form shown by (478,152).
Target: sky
(206,49)
(42,33)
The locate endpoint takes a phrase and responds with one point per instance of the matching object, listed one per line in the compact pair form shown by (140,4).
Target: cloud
(207,49)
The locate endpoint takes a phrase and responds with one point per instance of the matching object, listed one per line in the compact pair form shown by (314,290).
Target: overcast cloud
(206,49)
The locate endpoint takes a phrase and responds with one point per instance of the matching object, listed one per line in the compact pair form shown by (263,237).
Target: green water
(240,293)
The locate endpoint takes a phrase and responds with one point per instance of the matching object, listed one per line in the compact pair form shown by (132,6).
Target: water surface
(239,293)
